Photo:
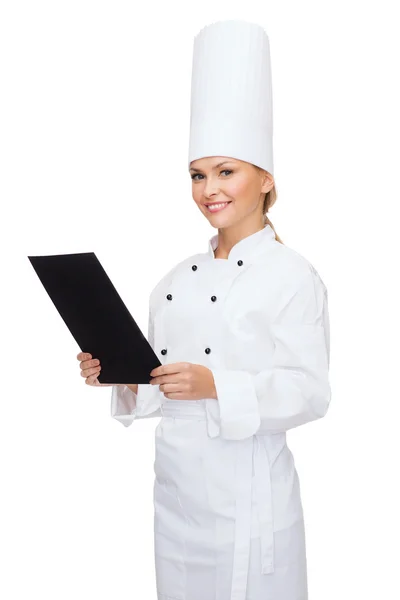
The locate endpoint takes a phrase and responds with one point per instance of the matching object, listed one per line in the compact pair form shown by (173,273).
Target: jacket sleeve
(295,388)
(126,406)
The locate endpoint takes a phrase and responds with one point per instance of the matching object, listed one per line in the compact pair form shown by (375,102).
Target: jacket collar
(245,247)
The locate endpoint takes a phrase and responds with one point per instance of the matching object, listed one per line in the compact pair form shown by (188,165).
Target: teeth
(216,206)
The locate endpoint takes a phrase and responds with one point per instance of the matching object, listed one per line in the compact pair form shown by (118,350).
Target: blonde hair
(269,200)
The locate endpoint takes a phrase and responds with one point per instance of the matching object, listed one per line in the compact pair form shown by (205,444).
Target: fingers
(173,388)
(92,380)
(90,367)
(88,364)
(91,371)
(84,356)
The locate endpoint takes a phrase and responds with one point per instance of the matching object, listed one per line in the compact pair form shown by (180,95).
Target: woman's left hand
(184,381)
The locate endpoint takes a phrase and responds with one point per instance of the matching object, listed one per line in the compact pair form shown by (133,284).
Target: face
(237,185)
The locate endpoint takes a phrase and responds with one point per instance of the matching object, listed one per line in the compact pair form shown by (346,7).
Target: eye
(197,174)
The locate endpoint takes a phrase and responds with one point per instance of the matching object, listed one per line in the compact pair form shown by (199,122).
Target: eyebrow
(216,166)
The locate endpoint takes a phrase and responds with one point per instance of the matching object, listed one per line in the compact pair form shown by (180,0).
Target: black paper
(96,316)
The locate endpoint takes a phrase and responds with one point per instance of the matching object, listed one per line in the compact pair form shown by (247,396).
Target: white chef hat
(231,94)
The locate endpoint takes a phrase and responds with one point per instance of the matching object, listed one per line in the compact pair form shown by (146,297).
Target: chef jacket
(259,321)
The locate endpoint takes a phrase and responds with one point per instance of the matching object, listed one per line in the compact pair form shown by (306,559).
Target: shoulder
(296,286)
(291,269)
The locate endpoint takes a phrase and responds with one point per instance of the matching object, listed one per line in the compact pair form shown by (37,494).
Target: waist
(196,410)
(184,409)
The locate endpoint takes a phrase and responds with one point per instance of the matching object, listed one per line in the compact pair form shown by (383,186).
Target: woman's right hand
(90,369)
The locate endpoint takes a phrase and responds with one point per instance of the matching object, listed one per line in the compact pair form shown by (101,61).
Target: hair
(269,200)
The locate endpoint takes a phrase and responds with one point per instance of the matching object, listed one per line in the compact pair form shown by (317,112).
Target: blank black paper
(96,316)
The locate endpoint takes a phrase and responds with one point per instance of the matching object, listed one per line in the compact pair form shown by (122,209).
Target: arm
(134,401)
(295,389)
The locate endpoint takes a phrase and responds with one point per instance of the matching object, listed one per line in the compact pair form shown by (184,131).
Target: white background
(95,100)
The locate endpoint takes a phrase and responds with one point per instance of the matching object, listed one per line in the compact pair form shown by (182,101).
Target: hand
(90,369)
(184,381)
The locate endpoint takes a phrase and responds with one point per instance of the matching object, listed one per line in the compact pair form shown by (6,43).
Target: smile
(217,207)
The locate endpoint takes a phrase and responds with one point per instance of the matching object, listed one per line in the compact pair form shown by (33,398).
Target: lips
(217,206)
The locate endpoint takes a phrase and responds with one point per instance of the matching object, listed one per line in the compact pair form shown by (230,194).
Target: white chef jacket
(226,493)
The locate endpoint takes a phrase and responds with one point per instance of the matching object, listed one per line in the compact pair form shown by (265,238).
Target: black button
(213,298)
(240,262)
(164,351)
(207,350)
(194,267)
(169,297)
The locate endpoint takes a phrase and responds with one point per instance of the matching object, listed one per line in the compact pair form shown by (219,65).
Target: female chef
(242,332)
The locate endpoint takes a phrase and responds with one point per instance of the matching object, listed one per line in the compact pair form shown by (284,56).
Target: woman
(242,332)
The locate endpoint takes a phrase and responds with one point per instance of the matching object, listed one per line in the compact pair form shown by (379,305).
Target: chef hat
(231,94)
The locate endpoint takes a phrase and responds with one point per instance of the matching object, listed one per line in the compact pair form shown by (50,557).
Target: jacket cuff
(126,406)
(235,414)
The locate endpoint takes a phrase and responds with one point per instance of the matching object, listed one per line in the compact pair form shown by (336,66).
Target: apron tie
(252,453)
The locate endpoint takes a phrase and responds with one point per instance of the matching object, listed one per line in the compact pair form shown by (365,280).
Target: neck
(229,236)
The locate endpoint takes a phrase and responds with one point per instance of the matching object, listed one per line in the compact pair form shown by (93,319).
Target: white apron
(228,521)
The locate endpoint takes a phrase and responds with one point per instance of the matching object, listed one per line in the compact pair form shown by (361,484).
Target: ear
(268,182)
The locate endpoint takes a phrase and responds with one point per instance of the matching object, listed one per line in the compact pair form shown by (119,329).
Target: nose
(210,188)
